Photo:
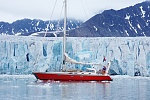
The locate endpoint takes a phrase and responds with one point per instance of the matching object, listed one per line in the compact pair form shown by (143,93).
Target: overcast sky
(12,10)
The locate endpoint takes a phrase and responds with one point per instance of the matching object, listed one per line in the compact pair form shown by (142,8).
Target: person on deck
(104,70)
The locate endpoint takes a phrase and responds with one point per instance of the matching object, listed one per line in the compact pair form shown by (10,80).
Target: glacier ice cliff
(23,55)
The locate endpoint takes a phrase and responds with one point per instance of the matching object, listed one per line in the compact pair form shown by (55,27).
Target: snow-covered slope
(132,21)
(28,27)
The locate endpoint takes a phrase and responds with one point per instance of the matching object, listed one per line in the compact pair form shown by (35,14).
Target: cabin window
(92,71)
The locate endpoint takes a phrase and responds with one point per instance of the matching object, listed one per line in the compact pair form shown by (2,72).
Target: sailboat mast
(64,37)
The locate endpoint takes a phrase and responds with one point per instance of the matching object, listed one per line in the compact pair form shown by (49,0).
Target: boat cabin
(91,70)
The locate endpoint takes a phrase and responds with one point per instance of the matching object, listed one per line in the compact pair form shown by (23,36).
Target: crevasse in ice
(23,55)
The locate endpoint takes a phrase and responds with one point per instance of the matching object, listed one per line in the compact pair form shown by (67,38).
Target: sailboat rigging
(73,75)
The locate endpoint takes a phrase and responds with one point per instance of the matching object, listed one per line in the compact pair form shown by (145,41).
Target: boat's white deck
(75,73)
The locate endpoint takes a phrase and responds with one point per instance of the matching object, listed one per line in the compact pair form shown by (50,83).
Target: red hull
(70,77)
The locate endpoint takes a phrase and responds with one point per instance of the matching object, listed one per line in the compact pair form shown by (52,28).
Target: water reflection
(121,88)
(79,90)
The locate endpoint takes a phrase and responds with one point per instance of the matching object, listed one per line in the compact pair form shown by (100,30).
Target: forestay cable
(46,30)
(50,18)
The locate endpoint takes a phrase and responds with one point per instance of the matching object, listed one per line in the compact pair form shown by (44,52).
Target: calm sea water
(27,88)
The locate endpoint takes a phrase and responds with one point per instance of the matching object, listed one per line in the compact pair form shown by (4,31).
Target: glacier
(23,55)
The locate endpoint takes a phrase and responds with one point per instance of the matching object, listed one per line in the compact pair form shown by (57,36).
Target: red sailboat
(74,75)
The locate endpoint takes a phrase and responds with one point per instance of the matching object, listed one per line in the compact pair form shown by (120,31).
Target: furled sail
(68,59)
